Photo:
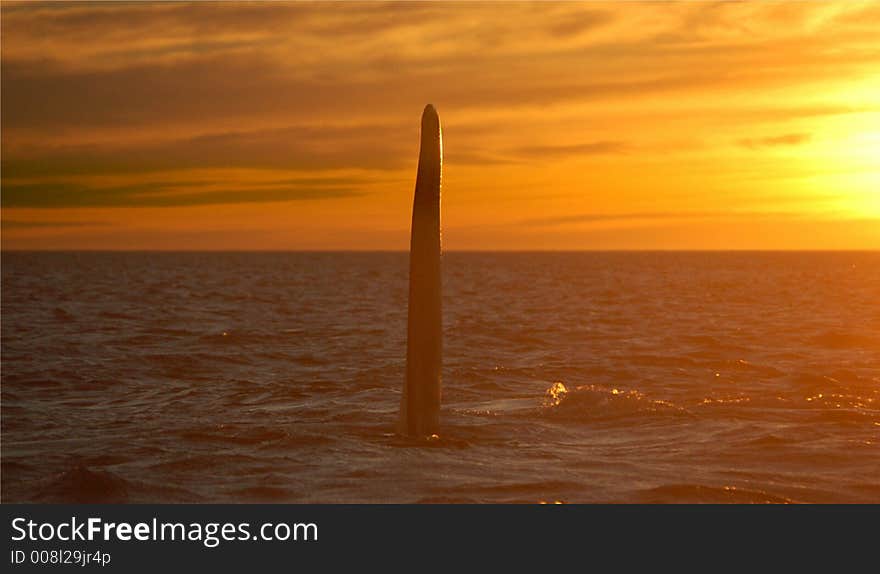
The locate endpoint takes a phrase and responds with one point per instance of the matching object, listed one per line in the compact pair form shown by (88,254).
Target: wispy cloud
(652,216)
(774,141)
(168,194)
(11,224)
(295,147)
(584,149)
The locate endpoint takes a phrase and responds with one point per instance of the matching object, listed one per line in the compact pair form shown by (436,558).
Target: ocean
(583,377)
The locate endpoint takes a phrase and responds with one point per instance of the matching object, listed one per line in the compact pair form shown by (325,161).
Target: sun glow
(866,184)
(853,170)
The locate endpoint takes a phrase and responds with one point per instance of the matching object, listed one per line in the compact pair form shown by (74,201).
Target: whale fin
(420,403)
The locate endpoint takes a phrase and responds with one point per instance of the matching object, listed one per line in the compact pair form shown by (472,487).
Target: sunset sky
(691,125)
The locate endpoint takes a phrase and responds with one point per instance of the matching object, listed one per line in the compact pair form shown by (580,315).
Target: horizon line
(445,251)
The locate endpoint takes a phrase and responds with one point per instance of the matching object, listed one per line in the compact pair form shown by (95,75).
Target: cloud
(773,141)
(38,95)
(567,27)
(182,63)
(41,94)
(308,148)
(652,216)
(786,113)
(10,224)
(168,194)
(475,157)
(585,149)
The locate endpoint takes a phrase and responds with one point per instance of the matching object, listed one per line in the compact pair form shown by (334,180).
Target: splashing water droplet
(555,394)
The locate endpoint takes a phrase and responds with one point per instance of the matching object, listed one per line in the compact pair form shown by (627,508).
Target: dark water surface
(576,377)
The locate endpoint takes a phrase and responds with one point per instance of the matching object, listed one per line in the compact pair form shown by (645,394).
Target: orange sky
(692,125)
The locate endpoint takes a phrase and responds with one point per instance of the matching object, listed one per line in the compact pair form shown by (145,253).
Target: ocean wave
(83,485)
(591,402)
(844,340)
